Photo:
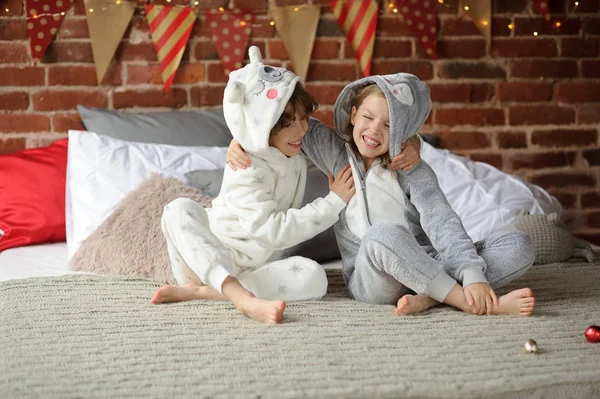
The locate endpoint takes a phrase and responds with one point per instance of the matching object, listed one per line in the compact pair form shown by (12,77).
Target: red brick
(564,138)
(325,94)
(13,53)
(389,48)
(526,27)
(82,76)
(330,28)
(138,29)
(469,116)
(23,123)
(189,73)
(140,52)
(14,100)
(589,6)
(589,237)
(591,26)
(592,156)
(541,160)
(544,69)
(344,71)
(567,200)
(475,70)
(15,8)
(12,145)
(78,7)
(392,26)
(458,27)
(144,74)
(276,50)
(590,69)
(450,92)
(422,69)
(68,52)
(540,115)
(563,179)
(500,26)
(262,27)
(215,73)
(590,199)
(64,122)
(207,95)
(511,140)
(577,92)
(577,47)
(152,98)
(326,49)
(51,99)
(72,28)
(325,116)
(589,114)
(22,76)
(520,47)
(448,7)
(11,29)
(256,6)
(462,48)
(205,50)
(492,159)
(510,6)
(481,92)
(200,29)
(593,219)
(524,91)
(463,140)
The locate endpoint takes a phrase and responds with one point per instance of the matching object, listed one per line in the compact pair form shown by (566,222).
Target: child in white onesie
(233,250)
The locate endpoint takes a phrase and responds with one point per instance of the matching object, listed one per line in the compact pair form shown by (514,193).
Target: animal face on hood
(408,100)
(254,99)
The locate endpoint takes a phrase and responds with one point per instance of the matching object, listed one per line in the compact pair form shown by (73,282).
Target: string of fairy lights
(392,8)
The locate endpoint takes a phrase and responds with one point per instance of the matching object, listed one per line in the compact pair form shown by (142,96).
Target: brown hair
(300,101)
(360,94)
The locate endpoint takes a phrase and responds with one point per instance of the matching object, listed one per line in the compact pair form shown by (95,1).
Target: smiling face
(288,139)
(371,132)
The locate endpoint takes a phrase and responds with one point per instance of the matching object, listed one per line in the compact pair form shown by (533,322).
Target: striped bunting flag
(170,28)
(359,20)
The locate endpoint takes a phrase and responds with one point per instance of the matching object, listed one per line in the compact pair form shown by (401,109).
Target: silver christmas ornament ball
(531,346)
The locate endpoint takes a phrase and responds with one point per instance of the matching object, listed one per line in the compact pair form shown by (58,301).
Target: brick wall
(528,105)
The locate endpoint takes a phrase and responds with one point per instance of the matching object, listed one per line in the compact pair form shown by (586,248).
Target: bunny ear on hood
(254,99)
(408,99)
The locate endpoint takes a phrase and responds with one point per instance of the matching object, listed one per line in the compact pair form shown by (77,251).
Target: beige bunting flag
(297,28)
(480,12)
(107,22)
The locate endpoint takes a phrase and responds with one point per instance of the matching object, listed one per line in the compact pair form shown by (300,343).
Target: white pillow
(101,170)
(485,198)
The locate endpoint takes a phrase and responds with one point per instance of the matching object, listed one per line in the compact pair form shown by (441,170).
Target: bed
(83,335)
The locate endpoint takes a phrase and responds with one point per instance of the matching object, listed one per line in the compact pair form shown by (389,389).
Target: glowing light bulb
(576,3)
(395,10)
(221,9)
(510,26)
(391,5)
(441,1)
(62,13)
(91,10)
(296,9)
(557,24)
(272,23)
(196,3)
(466,8)
(535,33)
(243,23)
(484,23)
(118,2)
(6,9)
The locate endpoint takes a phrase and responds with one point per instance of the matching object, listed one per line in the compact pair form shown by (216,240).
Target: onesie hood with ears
(408,99)
(254,99)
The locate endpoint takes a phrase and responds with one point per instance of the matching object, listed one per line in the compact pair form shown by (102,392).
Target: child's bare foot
(269,312)
(190,292)
(518,302)
(411,304)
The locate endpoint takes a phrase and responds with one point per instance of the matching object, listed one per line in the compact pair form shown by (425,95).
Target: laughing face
(288,140)
(371,131)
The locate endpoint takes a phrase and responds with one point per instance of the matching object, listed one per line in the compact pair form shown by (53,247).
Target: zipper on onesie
(362,179)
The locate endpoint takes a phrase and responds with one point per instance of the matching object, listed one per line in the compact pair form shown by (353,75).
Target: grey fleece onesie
(398,234)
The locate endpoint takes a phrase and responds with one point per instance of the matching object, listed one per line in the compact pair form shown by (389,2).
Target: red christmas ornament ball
(592,334)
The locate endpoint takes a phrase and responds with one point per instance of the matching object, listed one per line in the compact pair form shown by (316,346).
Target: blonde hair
(360,95)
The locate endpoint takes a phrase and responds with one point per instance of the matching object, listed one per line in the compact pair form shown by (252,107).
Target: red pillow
(32,196)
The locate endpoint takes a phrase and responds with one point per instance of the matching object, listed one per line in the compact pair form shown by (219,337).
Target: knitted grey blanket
(83,336)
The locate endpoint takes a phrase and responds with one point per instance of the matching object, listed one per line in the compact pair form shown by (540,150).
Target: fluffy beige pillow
(130,242)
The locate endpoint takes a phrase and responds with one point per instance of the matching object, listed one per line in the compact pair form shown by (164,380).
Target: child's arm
(250,196)
(443,226)
(410,155)
(324,147)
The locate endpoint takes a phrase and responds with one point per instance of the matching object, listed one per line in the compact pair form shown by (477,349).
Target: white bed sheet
(49,260)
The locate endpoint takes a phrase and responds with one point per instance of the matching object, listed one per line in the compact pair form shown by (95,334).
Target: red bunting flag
(359,20)
(43,19)
(542,7)
(230,29)
(170,28)
(421,16)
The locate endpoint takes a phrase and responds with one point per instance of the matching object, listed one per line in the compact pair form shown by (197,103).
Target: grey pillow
(320,248)
(185,128)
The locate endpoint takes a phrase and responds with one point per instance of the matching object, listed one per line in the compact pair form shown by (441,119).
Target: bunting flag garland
(358,19)
(43,19)
(230,30)
(542,7)
(170,28)
(421,17)
(481,13)
(107,26)
(297,27)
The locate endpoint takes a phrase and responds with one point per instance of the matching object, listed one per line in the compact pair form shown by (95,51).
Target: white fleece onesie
(256,214)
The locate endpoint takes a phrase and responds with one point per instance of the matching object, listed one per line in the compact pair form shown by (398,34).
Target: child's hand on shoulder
(236,156)
(481,297)
(410,155)
(343,185)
